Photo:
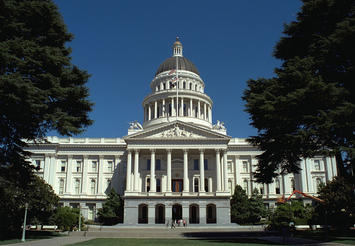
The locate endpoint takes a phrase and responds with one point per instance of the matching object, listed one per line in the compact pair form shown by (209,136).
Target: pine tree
(308,108)
(111,212)
(257,208)
(239,206)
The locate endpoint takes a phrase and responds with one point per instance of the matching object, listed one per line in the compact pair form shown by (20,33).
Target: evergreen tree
(256,207)
(239,206)
(40,89)
(112,210)
(308,108)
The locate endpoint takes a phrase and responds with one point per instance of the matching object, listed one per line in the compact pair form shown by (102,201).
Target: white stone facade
(197,165)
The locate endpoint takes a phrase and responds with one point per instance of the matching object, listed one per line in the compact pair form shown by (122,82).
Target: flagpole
(177,87)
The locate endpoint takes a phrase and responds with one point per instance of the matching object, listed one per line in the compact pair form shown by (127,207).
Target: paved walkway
(177,233)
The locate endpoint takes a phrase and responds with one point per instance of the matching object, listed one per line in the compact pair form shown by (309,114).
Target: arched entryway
(160,214)
(143,214)
(177,212)
(211,214)
(194,214)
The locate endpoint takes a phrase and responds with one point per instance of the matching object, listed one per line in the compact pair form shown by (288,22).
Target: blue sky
(122,43)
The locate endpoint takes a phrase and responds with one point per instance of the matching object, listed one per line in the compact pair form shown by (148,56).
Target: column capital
(129,150)
(169,150)
(201,150)
(152,150)
(85,156)
(101,156)
(136,151)
(185,150)
(70,156)
(218,151)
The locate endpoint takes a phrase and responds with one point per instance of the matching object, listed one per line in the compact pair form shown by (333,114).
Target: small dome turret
(177,47)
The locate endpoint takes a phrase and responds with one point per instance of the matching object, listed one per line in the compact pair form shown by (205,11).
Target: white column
(210,113)
(84,177)
(168,169)
(218,170)
(210,184)
(129,171)
(155,109)
(136,177)
(152,171)
(308,169)
(100,178)
(69,174)
(190,113)
(186,175)
(202,171)
(182,107)
(149,112)
(53,170)
(204,111)
(164,109)
(225,169)
(199,109)
(46,172)
(328,169)
(172,107)
(236,174)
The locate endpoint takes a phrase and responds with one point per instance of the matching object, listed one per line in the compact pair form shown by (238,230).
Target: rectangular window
(157,165)
(77,186)
(110,166)
(93,186)
(196,166)
(277,187)
(317,165)
(205,164)
(229,166)
(61,186)
(245,166)
(78,166)
(38,164)
(148,164)
(94,166)
(62,166)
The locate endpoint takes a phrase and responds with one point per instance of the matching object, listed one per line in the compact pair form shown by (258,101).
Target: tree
(339,205)
(257,209)
(41,200)
(40,89)
(67,218)
(308,108)
(111,212)
(239,206)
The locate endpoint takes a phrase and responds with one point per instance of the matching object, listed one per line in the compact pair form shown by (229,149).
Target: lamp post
(79,219)
(24,223)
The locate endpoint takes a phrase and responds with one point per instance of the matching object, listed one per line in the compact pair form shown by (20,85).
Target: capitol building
(177,164)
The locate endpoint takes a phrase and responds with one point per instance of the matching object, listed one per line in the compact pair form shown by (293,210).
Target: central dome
(170,64)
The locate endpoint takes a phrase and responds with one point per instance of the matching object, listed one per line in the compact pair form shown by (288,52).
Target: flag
(172,72)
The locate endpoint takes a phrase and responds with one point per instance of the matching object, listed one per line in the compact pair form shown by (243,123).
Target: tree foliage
(339,206)
(41,200)
(308,108)
(40,89)
(67,218)
(244,210)
(112,210)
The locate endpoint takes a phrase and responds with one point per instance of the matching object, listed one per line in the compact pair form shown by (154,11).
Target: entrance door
(177,185)
(177,212)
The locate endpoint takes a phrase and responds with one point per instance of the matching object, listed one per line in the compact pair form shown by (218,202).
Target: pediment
(176,131)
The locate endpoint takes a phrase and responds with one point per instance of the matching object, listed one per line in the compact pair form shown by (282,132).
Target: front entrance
(177,212)
(177,185)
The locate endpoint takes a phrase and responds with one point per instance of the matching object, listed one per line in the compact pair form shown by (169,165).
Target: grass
(171,242)
(333,236)
(30,236)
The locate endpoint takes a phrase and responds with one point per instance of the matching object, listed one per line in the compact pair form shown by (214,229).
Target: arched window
(184,85)
(206,185)
(196,112)
(190,86)
(211,214)
(158,112)
(164,86)
(196,185)
(169,109)
(77,186)
(185,110)
(142,214)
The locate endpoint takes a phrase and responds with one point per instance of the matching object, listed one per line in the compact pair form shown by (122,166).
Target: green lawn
(30,236)
(334,236)
(172,242)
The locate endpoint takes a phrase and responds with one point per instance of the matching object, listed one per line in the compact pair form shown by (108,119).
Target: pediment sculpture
(176,132)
